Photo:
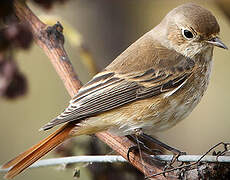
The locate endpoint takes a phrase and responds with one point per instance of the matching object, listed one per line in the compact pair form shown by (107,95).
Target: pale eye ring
(187,34)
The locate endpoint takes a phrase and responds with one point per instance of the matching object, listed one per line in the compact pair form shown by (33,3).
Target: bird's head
(190,29)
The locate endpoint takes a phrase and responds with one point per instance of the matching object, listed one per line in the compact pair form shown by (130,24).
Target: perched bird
(152,85)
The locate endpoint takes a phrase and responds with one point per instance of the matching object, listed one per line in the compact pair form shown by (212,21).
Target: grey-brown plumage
(159,62)
(111,88)
(152,85)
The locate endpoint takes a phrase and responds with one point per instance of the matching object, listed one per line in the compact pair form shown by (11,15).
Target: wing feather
(108,90)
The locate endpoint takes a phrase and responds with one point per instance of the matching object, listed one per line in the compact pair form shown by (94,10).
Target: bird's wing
(109,90)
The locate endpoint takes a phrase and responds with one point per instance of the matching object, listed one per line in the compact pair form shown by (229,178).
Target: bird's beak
(217,42)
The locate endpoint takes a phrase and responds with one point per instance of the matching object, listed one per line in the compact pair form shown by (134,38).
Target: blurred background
(107,28)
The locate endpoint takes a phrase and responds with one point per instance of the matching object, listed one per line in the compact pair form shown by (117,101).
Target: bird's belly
(172,112)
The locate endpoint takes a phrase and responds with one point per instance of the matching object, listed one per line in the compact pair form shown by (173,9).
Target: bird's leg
(175,151)
(141,146)
(165,146)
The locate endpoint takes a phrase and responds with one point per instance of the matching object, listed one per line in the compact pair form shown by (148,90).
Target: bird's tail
(25,159)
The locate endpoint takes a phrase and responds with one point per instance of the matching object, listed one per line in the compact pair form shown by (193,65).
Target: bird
(154,84)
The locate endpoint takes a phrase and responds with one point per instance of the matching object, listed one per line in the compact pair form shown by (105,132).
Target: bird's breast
(178,105)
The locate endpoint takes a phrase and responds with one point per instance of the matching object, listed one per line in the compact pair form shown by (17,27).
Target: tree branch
(51,41)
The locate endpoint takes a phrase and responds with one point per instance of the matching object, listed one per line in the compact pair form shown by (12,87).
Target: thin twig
(75,159)
(115,158)
(198,160)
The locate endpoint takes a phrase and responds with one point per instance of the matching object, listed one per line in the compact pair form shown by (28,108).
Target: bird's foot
(141,146)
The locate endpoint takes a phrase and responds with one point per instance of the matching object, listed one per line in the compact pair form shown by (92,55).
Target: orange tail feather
(25,159)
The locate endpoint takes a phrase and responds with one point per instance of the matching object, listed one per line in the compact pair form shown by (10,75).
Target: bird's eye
(187,34)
